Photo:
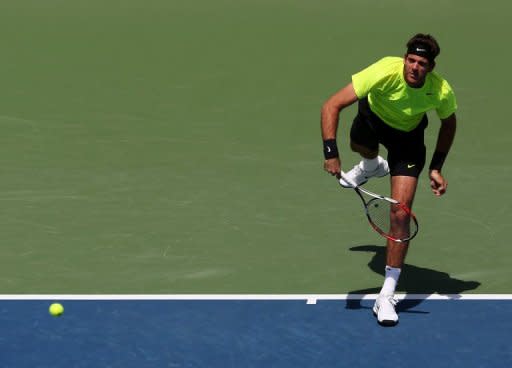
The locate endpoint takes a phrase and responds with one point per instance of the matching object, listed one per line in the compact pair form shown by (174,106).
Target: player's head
(422,49)
(423,45)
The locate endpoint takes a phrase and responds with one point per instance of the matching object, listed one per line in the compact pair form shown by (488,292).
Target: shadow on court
(413,280)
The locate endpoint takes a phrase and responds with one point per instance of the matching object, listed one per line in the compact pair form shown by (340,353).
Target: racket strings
(390,219)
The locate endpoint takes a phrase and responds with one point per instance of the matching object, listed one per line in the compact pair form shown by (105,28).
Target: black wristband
(330,149)
(437,160)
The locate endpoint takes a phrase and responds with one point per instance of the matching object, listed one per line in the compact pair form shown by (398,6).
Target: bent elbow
(328,108)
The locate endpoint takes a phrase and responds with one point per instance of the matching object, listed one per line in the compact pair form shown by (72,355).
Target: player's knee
(399,216)
(362,150)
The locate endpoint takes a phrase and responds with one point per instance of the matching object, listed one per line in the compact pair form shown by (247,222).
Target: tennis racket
(390,218)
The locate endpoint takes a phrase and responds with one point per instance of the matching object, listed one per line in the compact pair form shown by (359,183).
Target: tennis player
(393,97)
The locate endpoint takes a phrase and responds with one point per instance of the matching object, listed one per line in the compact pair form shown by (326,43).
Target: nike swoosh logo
(328,149)
(411,166)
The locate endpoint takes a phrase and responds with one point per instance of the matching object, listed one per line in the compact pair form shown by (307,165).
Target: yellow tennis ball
(56,309)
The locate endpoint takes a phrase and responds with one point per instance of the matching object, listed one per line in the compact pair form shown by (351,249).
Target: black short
(406,150)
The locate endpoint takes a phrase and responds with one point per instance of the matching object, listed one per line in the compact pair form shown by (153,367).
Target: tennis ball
(56,309)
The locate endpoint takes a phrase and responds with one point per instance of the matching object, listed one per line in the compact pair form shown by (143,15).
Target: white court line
(309,298)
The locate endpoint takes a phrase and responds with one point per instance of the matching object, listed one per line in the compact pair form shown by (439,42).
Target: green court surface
(168,146)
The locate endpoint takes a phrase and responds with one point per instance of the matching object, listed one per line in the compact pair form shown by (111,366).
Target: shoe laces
(372,172)
(358,170)
(392,300)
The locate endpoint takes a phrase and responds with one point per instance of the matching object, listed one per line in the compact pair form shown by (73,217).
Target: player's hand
(437,183)
(333,166)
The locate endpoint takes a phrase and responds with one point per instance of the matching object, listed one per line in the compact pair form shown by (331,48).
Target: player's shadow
(413,280)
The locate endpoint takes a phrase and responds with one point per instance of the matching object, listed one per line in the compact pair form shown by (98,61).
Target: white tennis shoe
(384,310)
(358,176)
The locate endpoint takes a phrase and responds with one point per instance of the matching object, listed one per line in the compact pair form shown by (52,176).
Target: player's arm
(444,142)
(329,123)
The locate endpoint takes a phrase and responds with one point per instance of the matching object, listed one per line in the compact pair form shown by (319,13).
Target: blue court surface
(255,332)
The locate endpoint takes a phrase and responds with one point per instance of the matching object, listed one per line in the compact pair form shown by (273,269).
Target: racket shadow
(414,280)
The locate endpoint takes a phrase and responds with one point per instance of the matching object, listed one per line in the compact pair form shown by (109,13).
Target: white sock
(390,280)
(370,164)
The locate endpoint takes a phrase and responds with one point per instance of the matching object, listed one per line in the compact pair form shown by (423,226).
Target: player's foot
(384,309)
(358,176)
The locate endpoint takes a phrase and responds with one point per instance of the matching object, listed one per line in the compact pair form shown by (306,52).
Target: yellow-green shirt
(395,102)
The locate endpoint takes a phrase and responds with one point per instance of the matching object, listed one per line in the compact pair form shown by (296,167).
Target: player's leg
(365,152)
(364,139)
(406,156)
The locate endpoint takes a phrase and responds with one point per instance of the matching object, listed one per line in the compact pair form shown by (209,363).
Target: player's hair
(426,40)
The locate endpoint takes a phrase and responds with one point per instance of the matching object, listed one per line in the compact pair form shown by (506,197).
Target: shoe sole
(350,187)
